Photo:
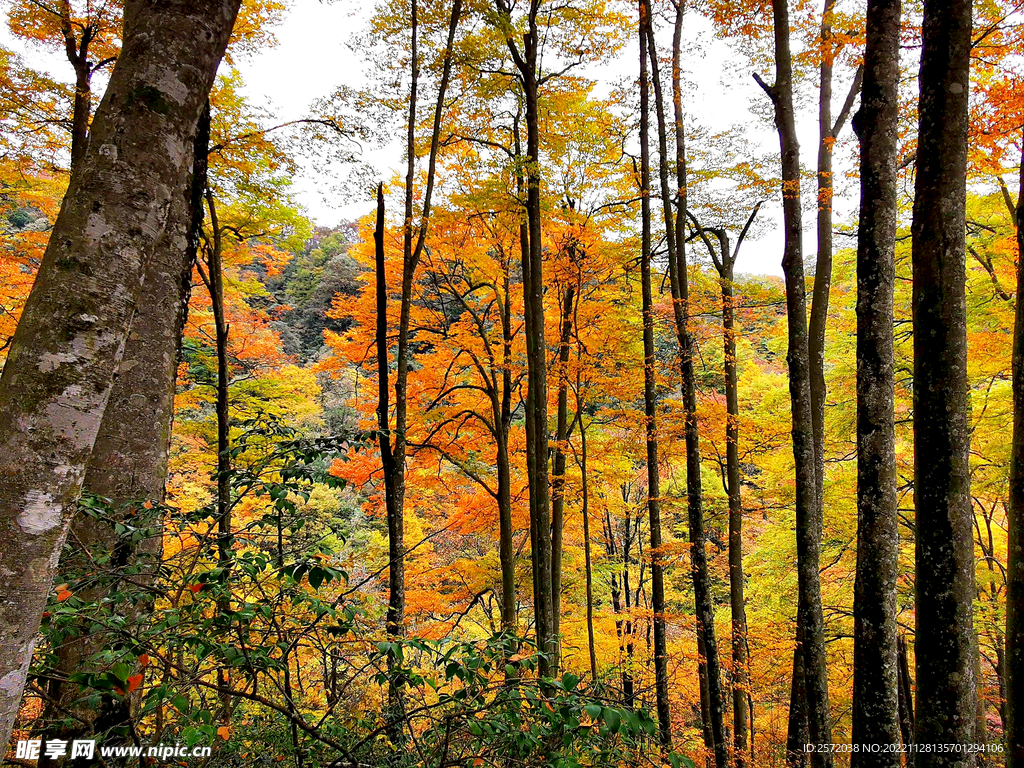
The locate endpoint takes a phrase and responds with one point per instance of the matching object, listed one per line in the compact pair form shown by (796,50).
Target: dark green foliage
(308,285)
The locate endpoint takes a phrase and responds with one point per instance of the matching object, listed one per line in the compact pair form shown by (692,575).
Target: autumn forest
(524,463)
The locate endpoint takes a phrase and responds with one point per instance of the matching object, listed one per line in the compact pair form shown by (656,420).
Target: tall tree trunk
(393,457)
(215,284)
(823,264)
(396,477)
(797,724)
(506,553)
(558,473)
(585,512)
(740,663)
(1015,519)
(811,641)
(906,697)
(537,398)
(679,286)
(827,134)
(651,405)
(413,242)
(724,260)
(77,52)
(526,62)
(876,697)
(741,676)
(81,305)
(945,545)
(130,465)
(395,555)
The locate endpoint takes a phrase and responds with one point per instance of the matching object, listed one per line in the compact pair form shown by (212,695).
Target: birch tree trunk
(64,354)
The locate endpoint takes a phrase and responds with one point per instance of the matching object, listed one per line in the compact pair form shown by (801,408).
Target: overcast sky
(312,59)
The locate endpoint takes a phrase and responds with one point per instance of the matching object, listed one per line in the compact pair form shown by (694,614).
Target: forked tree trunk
(944,647)
(875,657)
(413,242)
(811,635)
(827,134)
(741,672)
(724,260)
(130,465)
(58,376)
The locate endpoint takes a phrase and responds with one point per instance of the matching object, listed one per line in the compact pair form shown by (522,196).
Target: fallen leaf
(134,682)
(224,732)
(64,595)
(195,588)
(144,660)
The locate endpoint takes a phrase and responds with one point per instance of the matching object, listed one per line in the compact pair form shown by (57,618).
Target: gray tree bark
(827,133)
(876,697)
(945,544)
(130,465)
(58,376)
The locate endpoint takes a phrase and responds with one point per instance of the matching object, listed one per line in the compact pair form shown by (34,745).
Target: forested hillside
(522,467)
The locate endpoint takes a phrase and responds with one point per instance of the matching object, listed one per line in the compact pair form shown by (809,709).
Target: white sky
(312,59)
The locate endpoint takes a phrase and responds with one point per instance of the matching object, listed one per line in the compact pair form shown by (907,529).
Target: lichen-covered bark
(945,552)
(130,464)
(875,698)
(60,370)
